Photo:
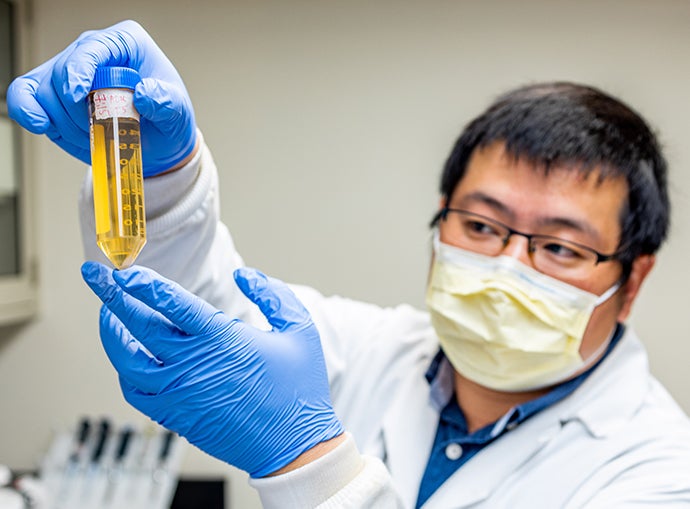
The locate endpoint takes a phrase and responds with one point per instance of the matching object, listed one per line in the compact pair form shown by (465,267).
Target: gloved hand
(255,399)
(51,99)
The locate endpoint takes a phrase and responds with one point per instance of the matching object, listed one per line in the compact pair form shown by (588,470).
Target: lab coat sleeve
(186,241)
(340,479)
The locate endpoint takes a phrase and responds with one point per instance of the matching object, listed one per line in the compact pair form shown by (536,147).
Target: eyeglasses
(553,256)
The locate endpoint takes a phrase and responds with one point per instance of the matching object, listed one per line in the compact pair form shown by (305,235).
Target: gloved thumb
(168,128)
(163,104)
(277,302)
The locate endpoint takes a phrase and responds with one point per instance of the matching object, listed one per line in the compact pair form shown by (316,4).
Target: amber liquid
(118,189)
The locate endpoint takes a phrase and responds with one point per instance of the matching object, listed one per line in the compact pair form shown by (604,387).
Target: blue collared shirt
(454,446)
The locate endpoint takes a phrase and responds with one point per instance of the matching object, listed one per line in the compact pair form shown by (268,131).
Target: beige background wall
(329,122)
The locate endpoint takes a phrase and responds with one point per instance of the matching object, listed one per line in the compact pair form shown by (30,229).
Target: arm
(182,361)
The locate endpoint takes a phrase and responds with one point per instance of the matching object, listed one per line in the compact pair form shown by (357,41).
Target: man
(553,204)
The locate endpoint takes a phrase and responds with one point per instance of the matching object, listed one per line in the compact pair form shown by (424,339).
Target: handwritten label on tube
(110,103)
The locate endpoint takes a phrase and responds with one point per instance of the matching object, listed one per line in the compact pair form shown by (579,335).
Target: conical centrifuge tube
(118,182)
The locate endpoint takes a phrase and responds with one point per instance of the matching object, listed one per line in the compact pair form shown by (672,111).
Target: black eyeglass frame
(601,257)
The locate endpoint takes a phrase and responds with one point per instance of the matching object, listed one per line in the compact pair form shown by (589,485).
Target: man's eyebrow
(571,224)
(490,201)
(542,222)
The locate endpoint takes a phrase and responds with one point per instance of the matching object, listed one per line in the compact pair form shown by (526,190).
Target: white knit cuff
(172,198)
(314,483)
(166,189)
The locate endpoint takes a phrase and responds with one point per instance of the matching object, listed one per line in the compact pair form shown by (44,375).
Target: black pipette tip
(125,436)
(165,446)
(80,438)
(102,437)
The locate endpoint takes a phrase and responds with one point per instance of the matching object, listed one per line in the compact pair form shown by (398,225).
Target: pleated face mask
(507,326)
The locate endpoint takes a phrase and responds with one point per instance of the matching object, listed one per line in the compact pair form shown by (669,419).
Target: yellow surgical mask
(507,326)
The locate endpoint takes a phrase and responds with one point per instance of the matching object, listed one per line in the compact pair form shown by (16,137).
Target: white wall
(329,122)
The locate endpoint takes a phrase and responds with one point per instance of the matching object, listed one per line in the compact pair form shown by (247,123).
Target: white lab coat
(618,441)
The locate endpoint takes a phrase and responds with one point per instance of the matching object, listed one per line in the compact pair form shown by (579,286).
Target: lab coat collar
(621,370)
(440,377)
(625,373)
(603,403)
(408,430)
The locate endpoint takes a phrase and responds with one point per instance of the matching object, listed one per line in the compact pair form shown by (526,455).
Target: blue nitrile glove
(255,399)
(51,99)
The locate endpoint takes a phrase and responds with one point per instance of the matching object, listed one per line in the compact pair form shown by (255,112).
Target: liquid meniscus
(118,189)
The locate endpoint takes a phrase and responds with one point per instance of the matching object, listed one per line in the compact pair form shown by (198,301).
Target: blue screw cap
(115,77)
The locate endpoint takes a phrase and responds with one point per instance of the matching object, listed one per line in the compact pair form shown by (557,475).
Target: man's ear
(640,269)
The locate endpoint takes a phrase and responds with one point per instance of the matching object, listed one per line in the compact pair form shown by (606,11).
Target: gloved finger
(63,94)
(157,408)
(75,67)
(132,362)
(23,107)
(128,388)
(276,301)
(165,110)
(23,103)
(150,328)
(167,408)
(191,314)
(33,103)
(162,103)
(36,102)
(69,130)
(142,401)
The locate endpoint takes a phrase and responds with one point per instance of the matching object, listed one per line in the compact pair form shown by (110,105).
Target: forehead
(526,195)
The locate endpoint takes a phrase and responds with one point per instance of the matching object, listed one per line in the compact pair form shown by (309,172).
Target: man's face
(562,203)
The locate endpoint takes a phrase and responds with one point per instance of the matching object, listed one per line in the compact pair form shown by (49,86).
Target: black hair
(566,125)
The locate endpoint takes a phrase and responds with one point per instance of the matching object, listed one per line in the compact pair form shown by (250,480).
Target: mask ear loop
(587,363)
(607,294)
(596,355)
